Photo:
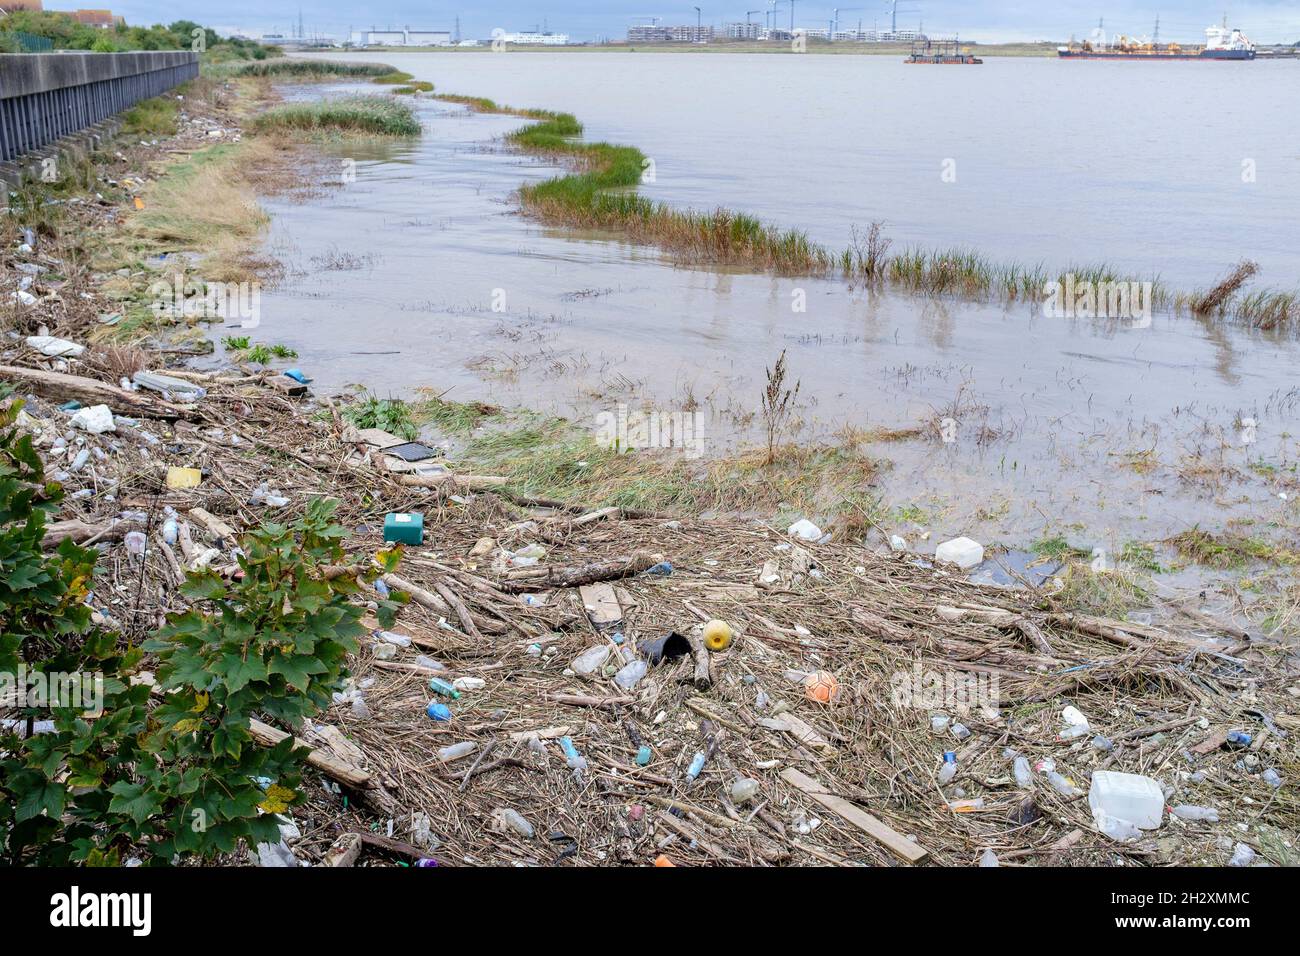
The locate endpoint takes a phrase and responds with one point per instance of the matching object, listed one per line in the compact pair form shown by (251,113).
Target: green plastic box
(404,527)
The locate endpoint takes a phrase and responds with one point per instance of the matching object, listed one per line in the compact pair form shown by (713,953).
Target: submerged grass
(360,114)
(1229,551)
(600,193)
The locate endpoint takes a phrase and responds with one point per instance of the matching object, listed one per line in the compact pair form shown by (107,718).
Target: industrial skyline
(979,20)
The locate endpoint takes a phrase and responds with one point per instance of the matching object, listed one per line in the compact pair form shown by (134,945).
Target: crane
(893,15)
(835,22)
(748,12)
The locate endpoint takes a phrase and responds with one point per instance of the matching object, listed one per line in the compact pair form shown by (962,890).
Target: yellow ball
(717,635)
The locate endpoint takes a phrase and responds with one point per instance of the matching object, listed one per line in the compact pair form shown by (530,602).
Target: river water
(419,271)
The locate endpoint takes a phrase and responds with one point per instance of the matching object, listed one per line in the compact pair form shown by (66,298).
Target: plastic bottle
(989,858)
(469,683)
(1186,811)
(170,531)
(516,822)
(576,761)
(1272,778)
(1024,776)
(456,751)
(960,731)
(429,662)
(949,768)
(390,637)
(1119,830)
(1242,856)
(440,686)
(1061,785)
(697,764)
(630,674)
(590,660)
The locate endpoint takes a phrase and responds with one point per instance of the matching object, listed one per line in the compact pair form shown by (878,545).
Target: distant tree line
(66,33)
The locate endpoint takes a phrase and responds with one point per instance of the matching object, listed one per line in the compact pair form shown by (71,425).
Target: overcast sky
(1265,21)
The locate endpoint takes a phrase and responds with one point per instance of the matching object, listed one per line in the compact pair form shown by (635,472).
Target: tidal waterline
(1175,169)
(1097,428)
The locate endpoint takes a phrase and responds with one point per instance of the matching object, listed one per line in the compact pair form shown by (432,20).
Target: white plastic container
(962,552)
(1127,796)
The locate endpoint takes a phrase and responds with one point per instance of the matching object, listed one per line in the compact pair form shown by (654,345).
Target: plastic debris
(962,552)
(97,419)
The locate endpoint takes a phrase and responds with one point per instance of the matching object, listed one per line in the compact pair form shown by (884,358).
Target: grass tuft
(359,114)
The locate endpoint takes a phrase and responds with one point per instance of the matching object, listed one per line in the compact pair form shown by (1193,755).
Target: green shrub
(57,798)
(391,414)
(184,777)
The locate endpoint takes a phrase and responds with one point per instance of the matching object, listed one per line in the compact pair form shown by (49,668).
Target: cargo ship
(1220,44)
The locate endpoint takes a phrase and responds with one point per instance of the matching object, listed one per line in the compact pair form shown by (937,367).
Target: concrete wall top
(24,73)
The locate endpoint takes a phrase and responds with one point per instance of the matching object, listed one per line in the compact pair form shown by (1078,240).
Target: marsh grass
(1229,551)
(155,117)
(308,71)
(351,114)
(556,459)
(207,204)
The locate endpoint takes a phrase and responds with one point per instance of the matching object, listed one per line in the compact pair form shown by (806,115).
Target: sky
(1264,21)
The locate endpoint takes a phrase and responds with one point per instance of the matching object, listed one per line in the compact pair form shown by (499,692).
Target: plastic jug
(1127,796)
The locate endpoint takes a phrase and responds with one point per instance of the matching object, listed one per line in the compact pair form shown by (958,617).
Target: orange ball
(822,687)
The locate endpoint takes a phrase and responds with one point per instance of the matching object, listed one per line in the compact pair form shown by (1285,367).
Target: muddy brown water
(420,272)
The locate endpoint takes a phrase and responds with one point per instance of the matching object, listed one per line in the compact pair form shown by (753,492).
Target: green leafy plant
(55,798)
(183,777)
(274,643)
(391,414)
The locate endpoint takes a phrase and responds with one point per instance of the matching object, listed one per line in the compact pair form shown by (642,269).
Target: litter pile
(593,685)
(597,686)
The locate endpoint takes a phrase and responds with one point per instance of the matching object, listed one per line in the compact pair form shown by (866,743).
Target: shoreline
(510,627)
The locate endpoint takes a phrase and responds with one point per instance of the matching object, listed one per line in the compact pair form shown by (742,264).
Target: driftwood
(354,777)
(61,387)
(467,482)
(80,532)
(551,577)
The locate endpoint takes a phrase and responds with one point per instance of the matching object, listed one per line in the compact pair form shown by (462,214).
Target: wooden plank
(327,764)
(894,841)
(601,605)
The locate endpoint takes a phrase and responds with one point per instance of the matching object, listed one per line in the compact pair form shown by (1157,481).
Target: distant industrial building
(403,37)
(685,33)
(535,38)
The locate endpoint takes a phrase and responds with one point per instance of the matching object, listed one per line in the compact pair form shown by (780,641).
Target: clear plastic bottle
(456,751)
(630,674)
(1024,776)
(1062,785)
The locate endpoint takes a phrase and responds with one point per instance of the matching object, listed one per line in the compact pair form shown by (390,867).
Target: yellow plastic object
(717,635)
(179,479)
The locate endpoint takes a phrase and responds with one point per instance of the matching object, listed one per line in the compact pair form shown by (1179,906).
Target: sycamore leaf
(42,796)
(134,800)
(278,799)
